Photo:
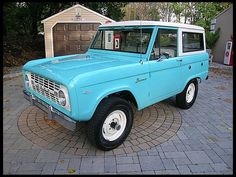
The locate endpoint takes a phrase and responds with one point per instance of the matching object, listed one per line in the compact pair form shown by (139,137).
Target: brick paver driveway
(202,144)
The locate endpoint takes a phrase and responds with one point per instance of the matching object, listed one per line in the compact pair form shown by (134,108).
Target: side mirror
(166,54)
(152,56)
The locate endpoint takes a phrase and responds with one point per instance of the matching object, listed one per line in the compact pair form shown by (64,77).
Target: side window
(165,45)
(192,42)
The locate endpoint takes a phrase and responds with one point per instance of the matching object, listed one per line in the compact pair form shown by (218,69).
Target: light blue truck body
(92,76)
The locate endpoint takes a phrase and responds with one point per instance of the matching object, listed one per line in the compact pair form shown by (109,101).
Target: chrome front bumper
(53,114)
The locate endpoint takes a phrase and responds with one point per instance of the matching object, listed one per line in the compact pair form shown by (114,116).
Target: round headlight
(27,80)
(62,98)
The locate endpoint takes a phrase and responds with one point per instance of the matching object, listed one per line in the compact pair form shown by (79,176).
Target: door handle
(179,59)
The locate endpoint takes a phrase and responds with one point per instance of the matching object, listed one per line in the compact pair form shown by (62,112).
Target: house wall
(66,16)
(225,22)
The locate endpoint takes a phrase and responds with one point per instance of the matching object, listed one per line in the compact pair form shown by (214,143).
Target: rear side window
(192,42)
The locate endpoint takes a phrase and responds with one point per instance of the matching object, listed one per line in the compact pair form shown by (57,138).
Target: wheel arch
(98,93)
(122,93)
(190,79)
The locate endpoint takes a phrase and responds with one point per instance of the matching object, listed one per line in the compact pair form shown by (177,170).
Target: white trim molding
(153,23)
(181,30)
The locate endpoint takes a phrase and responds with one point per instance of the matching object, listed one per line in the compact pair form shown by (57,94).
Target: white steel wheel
(114,125)
(111,123)
(190,93)
(187,97)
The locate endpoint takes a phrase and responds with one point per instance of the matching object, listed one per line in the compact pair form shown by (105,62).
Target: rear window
(192,42)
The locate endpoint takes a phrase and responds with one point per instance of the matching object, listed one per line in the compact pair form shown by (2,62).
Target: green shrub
(211,38)
(17,50)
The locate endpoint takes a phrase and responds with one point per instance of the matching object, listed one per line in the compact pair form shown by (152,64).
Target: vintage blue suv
(128,63)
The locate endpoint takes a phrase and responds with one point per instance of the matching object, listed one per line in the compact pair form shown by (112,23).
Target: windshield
(123,40)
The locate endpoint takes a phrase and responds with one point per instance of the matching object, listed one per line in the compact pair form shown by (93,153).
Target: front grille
(45,87)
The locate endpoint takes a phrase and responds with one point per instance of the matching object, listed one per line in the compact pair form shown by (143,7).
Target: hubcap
(114,125)
(190,93)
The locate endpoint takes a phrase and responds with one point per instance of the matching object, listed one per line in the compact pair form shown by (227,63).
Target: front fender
(89,97)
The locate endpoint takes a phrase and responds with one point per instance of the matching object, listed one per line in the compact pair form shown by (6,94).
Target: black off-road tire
(94,126)
(181,97)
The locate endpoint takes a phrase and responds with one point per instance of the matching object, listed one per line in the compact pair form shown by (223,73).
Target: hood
(64,69)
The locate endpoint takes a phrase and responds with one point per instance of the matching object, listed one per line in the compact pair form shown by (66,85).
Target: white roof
(152,23)
(77,5)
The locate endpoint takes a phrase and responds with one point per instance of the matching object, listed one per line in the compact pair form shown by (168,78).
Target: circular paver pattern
(152,126)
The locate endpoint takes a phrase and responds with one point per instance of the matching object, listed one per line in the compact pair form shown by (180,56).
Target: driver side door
(164,65)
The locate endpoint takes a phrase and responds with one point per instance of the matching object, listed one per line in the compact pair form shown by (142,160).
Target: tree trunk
(168,12)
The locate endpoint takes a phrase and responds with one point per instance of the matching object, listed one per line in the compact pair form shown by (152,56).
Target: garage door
(73,38)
